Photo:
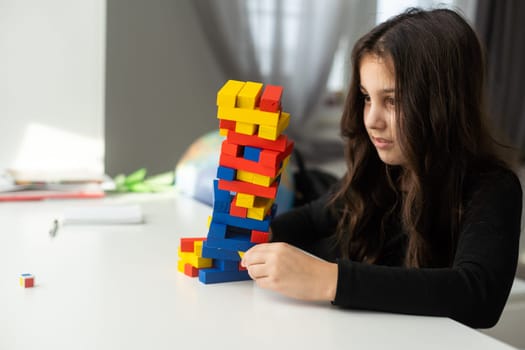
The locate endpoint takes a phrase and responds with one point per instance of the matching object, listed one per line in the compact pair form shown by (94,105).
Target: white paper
(107,214)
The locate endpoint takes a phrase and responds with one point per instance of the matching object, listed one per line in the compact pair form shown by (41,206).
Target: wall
(161,84)
(52,83)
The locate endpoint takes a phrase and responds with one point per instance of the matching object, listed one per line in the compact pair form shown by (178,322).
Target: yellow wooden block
(258,179)
(245,176)
(246,128)
(245,200)
(284,122)
(194,260)
(268,133)
(209,221)
(241,254)
(272,133)
(255,178)
(253,116)
(180,266)
(256,213)
(227,95)
(260,208)
(285,163)
(201,263)
(263,180)
(249,95)
(223,132)
(197,248)
(183,255)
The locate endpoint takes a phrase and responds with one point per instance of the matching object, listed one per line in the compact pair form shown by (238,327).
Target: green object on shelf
(138,182)
(135,177)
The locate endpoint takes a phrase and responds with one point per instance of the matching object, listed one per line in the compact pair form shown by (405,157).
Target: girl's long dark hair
(439,81)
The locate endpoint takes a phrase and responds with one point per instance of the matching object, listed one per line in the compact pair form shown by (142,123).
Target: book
(33,195)
(15,187)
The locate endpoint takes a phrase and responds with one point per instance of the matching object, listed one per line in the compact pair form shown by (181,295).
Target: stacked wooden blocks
(253,156)
(190,254)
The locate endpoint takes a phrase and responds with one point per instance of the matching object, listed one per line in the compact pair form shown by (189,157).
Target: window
(266,18)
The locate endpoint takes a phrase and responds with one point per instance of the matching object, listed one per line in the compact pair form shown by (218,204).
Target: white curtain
(283,42)
(226,26)
(305,35)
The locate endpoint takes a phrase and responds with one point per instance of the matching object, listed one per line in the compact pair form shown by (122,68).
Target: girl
(426,220)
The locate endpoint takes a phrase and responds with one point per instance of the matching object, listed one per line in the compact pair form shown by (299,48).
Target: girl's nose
(374,118)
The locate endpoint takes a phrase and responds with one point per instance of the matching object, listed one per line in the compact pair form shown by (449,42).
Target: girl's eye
(366,98)
(390,101)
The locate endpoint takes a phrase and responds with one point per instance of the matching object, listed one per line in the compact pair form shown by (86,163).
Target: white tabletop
(117,287)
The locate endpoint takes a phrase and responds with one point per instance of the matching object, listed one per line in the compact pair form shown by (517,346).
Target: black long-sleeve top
(473,290)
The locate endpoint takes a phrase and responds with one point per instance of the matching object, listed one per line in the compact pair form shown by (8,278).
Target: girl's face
(378,89)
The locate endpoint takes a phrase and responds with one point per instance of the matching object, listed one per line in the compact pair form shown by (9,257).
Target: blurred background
(125,84)
(128,84)
(108,87)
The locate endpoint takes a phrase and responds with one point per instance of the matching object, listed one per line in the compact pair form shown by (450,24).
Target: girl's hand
(289,271)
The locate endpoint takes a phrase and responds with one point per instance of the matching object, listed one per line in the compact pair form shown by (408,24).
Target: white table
(117,287)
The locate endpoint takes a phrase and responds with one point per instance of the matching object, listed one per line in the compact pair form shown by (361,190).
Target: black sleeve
(474,290)
(305,225)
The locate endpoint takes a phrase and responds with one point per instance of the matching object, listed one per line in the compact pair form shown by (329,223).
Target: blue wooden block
(221,207)
(217,231)
(220,195)
(226,265)
(226,173)
(233,244)
(252,153)
(214,275)
(219,253)
(251,224)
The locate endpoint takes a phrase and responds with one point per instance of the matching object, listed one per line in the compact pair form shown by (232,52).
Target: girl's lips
(382,143)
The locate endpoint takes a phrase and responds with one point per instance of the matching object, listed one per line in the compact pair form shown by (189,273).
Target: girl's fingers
(257,271)
(255,255)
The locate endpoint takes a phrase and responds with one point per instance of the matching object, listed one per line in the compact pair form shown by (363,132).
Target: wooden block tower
(253,156)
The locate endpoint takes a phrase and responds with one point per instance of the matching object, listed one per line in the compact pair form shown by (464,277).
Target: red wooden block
(227,124)
(247,165)
(231,149)
(269,165)
(259,237)
(258,142)
(271,98)
(245,187)
(190,270)
(242,268)
(270,158)
(237,211)
(287,151)
(186,244)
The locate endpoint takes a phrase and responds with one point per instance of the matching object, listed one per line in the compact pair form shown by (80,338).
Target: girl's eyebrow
(386,91)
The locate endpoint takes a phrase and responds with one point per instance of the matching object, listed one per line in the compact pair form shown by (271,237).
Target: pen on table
(54,228)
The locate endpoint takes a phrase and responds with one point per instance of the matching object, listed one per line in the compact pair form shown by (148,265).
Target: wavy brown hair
(439,81)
